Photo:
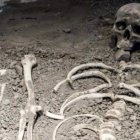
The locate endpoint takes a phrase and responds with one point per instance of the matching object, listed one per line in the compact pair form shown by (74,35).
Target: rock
(122,55)
(67,30)
(6,102)
(19,69)
(133,118)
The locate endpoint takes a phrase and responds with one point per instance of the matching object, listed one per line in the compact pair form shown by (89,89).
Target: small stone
(67,30)
(19,69)
(133,118)
(122,55)
(6,102)
(130,110)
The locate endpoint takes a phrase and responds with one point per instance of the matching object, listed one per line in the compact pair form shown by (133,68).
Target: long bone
(88,65)
(83,75)
(29,114)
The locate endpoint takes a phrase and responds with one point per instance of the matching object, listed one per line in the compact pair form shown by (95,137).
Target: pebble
(6,102)
(19,69)
(67,30)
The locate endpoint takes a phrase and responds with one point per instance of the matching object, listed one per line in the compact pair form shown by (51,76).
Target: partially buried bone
(88,65)
(130,87)
(84,75)
(29,114)
(87,96)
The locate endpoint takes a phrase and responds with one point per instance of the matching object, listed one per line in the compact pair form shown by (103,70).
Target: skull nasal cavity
(127,34)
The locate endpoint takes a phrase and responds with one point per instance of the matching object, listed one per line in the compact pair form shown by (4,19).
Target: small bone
(75,116)
(107,131)
(90,91)
(131,66)
(136,85)
(130,87)
(85,126)
(88,65)
(83,75)
(31,108)
(87,96)
(2,91)
(54,116)
(129,99)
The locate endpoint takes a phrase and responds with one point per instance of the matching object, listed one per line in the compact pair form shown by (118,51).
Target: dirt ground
(62,34)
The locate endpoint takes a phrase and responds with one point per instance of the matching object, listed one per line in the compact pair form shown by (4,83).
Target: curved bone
(127,98)
(131,66)
(130,87)
(31,108)
(87,96)
(75,116)
(90,91)
(54,116)
(83,75)
(136,85)
(88,65)
(74,95)
(85,126)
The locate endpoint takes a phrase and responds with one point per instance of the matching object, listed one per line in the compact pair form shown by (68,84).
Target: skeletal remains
(126,31)
(107,128)
(126,35)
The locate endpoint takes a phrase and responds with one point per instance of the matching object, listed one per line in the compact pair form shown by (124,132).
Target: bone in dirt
(86,66)
(29,114)
(83,75)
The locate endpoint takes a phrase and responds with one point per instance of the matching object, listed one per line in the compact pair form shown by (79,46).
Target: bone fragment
(85,126)
(131,66)
(54,116)
(72,117)
(129,99)
(2,91)
(88,65)
(83,75)
(130,87)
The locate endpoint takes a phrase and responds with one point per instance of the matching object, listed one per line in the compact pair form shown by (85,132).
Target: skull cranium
(126,29)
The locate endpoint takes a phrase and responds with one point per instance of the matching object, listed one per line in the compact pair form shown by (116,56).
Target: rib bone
(130,87)
(88,65)
(83,75)
(31,108)
(87,96)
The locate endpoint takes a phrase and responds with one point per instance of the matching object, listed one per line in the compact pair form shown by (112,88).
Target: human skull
(126,29)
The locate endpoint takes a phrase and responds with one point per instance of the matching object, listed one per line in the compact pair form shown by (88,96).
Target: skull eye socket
(121,25)
(136,29)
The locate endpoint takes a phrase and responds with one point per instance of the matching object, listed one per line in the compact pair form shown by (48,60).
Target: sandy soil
(61,35)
